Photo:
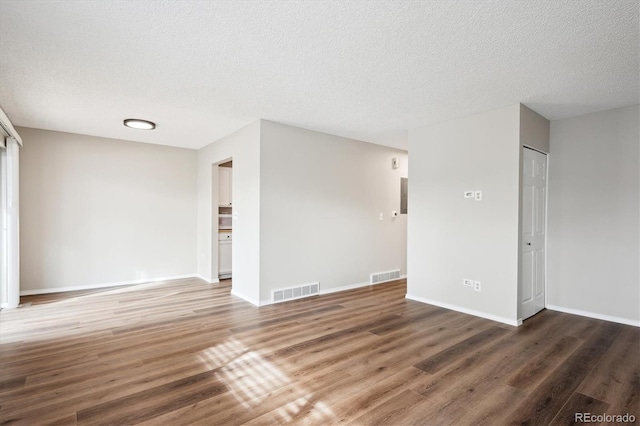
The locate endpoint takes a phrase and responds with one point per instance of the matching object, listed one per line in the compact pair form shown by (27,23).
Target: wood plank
(43,418)
(188,352)
(342,334)
(377,393)
(81,394)
(12,384)
(406,350)
(285,318)
(228,409)
(537,368)
(576,408)
(549,397)
(412,320)
(450,355)
(614,379)
(392,410)
(153,402)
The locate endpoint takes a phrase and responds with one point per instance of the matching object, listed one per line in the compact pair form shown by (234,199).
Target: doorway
(4,242)
(534,232)
(223,230)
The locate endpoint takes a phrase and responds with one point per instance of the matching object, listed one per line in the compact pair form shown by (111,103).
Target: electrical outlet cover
(477,286)
(467,282)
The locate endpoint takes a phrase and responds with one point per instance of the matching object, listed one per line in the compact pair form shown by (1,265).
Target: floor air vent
(380,277)
(284,294)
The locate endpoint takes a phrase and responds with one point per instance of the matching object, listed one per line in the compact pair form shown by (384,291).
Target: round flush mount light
(136,123)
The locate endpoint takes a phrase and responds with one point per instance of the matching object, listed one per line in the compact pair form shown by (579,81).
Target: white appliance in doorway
(224,255)
(225,220)
(534,226)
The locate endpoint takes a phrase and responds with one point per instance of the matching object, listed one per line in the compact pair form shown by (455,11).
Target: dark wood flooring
(187,352)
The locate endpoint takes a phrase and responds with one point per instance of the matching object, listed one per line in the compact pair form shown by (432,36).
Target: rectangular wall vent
(381,277)
(284,294)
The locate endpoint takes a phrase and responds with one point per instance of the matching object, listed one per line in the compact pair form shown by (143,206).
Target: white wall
(593,215)
(321,196)
(450,237)
(534,130)
(98,211)
(243,147)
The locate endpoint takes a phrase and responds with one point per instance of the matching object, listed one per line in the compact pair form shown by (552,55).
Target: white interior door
(534,227)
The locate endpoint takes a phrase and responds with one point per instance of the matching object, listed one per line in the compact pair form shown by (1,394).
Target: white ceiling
(368,70)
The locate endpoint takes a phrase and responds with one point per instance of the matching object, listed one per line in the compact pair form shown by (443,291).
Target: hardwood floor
(187,352)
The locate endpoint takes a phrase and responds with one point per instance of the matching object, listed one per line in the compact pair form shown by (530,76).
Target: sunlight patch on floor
(221,354)
(316,412)
(72,317)
(253,379)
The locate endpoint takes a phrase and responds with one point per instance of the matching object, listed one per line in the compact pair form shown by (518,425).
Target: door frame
(215,188)
(546,228)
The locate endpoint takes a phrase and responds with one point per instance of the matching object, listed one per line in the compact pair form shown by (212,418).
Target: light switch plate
(467,282)
(469,194)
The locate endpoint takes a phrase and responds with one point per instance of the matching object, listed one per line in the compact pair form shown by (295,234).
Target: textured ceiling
(368,70)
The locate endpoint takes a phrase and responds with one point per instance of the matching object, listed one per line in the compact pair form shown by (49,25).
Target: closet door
(534,226)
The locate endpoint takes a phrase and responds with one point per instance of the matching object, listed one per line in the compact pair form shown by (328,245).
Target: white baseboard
(102,285)
(207,279)
(202,277)
(594,315)
(473,312)
(344,288)
(254,302)
(354,286)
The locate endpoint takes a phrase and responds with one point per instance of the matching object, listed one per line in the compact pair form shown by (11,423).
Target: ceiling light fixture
(135,123)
